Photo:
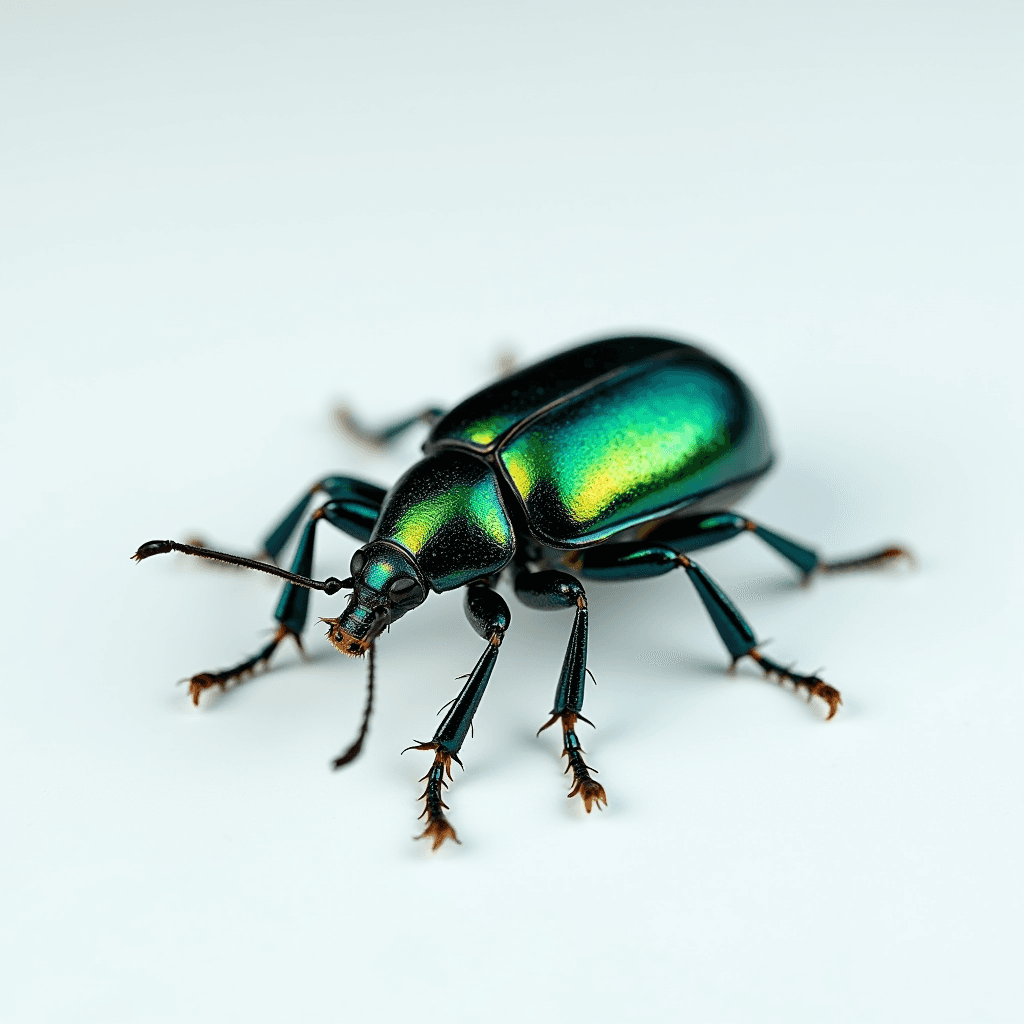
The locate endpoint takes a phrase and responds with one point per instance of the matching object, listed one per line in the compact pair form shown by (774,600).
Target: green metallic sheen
(482,420)
(448,513)
(614,435)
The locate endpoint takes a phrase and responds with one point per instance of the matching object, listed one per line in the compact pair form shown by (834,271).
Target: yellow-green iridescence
(483,432)
(638,446)
(476,504)
(380,571)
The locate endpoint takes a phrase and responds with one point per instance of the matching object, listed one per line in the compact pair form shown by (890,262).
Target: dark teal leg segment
(276,540)
(348,488)
(293,606)
(639,561)
(803,558)
(551,590)
(490,617)
(487,612)
(354,512)
(349,516)
(358,493)
(353,517)
(571,680)
(691,533)
(736,634)
(451,733)
(643,559)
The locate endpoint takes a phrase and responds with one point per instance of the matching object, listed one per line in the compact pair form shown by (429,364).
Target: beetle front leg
(643,560)
(362,499)
(354,513)
(490,617)
(548,591)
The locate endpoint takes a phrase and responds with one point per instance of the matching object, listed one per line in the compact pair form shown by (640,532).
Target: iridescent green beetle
(610,461)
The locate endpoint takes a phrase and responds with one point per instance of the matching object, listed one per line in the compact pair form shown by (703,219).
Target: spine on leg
(569,695)
(451,733)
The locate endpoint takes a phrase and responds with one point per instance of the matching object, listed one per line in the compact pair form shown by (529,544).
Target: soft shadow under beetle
(611,461)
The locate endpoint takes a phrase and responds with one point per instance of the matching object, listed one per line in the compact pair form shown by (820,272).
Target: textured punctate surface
(448,513)
(483,418)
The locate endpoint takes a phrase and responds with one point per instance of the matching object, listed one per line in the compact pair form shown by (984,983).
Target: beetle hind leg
(812,684)
(691,533)
(872,560)
(642,560)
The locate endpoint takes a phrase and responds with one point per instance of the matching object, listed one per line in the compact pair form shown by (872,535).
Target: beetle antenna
(353,751)
(329,586)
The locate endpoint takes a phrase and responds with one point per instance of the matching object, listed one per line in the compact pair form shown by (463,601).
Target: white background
(221,219)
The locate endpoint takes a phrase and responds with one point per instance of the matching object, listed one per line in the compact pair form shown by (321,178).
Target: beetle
(613,460)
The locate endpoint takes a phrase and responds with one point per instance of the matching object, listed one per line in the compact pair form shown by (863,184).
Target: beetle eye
(403,588)
(357,563)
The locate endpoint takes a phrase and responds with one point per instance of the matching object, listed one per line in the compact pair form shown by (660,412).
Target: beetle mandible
(613,460)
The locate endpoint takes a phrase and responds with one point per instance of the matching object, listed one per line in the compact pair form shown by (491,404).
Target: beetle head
(387,583)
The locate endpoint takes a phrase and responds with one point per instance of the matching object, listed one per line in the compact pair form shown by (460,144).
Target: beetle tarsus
(872,560)
(438,827)
(812,684)
(590,791)
(204,680)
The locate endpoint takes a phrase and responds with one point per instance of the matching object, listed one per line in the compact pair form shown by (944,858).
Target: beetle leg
(353,515)
(691,533)
(872,560)
(364,498)
(643,560)
(814,686)
(490,617)
(204,680)
(382,438)
(552,590)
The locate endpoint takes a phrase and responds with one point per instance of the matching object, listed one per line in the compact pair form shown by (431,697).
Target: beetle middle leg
(550,590)
(490,617)
(691,533)
(353,510)
(387,435)
(642,560)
